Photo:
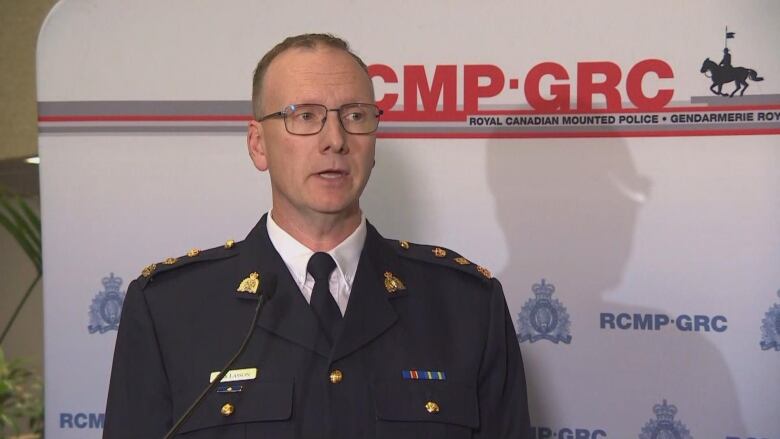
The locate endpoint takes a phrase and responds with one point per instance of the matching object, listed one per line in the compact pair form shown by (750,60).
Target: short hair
(309,41)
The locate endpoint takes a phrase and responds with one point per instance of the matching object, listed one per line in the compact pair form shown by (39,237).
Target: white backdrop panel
(650,226)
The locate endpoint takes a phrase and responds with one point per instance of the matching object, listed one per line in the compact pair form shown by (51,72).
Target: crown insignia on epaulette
(485,272)
(148,270)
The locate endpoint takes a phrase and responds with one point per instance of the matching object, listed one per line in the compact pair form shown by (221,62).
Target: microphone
(268,288)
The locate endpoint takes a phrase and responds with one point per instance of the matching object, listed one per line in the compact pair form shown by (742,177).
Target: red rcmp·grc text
(435,97)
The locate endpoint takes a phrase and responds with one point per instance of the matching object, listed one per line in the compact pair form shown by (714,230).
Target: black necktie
(322,302)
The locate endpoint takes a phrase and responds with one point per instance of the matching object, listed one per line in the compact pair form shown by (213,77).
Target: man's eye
(355,116)
(305,116)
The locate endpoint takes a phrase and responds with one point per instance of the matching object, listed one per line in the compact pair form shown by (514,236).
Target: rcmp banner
(613,163)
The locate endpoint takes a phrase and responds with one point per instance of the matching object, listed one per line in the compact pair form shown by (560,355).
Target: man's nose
(334,136)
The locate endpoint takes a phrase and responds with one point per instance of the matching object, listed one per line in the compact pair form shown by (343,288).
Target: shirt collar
(296,255)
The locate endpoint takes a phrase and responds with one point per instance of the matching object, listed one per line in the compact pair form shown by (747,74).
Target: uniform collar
(288,315)
(296,255)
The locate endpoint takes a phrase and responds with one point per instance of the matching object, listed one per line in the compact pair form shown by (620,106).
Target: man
(726,61)
(363,338)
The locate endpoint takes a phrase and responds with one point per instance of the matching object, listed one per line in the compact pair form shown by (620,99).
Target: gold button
(229,243)
(439,252)
(432,407)
(336,376)
(193,252)
(227,409)
(404,244)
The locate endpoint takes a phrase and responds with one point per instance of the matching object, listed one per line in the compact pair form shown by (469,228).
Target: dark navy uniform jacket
(186,319)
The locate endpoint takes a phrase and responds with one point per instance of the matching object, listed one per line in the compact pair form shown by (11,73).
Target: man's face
(323,173)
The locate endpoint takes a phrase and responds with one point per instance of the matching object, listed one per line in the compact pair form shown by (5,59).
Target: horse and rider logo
(724,72)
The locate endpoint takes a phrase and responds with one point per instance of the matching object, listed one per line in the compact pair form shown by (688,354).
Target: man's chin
(338,211)
(336,207)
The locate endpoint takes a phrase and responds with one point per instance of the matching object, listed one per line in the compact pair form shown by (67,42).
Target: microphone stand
(266,293)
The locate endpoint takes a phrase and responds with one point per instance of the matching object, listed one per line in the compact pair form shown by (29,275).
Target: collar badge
(392,283)
(250,284)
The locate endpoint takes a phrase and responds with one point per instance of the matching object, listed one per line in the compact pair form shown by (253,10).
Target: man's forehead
(316,60)
(315,68)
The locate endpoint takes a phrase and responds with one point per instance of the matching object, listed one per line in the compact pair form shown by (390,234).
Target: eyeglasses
(309,119)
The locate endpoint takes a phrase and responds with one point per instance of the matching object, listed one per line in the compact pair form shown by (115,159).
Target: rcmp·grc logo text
(664,425)
(770,328)
(82,420)
(656,322)
(106,307)
(567,433)
(543,318)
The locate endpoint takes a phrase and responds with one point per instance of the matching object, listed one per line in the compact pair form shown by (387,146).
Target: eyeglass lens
(310,118)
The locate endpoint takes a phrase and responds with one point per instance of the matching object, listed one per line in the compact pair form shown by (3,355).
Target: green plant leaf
(20,397)
(22,230)
(32,217)
(31,222)
(10,225)
(20,389)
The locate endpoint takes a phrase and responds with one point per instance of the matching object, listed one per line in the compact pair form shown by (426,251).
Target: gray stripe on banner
(156,108)
(723,101)
(185,129)
(141,129)
(221,108)
(154,123)
(583,129)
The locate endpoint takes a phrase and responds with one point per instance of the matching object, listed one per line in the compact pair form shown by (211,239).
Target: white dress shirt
(296,256)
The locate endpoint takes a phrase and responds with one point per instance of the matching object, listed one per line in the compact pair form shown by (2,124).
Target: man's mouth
(332,174)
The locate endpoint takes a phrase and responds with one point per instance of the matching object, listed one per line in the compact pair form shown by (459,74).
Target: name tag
(236,375)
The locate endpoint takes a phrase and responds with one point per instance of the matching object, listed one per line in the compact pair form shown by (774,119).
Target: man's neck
(321,232)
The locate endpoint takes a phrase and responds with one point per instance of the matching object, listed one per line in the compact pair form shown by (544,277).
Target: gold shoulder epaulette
(193,255)
(440,256)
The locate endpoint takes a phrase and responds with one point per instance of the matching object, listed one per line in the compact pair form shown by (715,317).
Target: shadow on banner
(569,210)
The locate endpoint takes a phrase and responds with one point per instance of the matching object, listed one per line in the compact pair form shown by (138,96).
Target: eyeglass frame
(283,114)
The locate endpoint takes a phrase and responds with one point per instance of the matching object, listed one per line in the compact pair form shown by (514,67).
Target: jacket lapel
(287,315)
(369,312)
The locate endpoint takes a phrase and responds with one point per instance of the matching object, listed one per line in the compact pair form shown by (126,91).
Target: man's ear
(255,142)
